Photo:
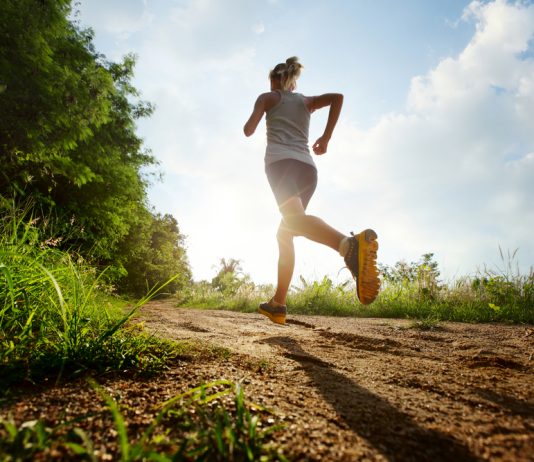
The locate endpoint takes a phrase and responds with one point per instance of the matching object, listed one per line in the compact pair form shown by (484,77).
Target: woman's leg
(309,226)
(286,262)
(293,184)
(297,223)
(359,251)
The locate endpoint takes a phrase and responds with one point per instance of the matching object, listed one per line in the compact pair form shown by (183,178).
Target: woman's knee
(294,221)
(284,235)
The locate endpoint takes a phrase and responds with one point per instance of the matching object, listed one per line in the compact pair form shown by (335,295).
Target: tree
(230,278)
(153,254)
(423,274)
(68,138)
(56,92)
(402,272)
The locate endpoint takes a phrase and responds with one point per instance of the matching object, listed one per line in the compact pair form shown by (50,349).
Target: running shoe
(361,260)
(276,314)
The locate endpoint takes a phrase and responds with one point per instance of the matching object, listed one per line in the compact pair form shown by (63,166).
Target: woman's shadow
(388,430)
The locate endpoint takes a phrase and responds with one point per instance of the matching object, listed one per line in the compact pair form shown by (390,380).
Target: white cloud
(451,173)
(258,28)
(454,172)
(120,18)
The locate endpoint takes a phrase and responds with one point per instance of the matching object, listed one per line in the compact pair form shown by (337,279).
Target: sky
(434,148)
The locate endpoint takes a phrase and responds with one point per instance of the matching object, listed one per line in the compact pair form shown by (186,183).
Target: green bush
(153,254)
(68,143)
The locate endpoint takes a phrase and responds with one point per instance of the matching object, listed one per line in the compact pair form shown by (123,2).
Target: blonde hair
(287,72)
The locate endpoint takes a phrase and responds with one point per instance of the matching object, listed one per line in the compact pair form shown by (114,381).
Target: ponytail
(287,72)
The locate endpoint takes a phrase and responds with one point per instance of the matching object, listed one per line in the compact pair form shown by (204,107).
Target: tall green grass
(56,313)
(245,298)
(503,295)
(58,317)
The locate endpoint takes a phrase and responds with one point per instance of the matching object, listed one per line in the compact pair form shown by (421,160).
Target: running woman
(292,175)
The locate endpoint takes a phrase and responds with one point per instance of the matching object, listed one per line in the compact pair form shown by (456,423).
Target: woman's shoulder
(270,99)
(270,95)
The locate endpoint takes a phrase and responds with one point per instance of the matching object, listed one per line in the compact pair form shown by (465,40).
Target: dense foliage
(68,141)
(153,253)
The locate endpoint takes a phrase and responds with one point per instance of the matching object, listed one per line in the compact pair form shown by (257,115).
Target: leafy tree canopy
(68,131)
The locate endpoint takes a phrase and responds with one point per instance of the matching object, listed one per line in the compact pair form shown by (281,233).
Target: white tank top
(288,124)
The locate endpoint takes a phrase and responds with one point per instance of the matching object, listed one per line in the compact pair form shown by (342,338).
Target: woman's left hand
(320,146)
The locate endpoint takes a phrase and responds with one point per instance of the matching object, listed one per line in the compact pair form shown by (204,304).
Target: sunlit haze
(434,148)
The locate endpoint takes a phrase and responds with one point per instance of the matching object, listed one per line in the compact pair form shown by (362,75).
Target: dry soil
(345,388)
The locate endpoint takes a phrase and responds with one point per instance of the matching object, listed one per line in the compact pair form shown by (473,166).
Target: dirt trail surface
(376,389)
(346,389)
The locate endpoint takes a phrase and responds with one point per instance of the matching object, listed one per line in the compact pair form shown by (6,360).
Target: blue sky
(434,148)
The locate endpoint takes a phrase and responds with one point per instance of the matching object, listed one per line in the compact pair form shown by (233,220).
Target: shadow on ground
(509,403)
(387,429)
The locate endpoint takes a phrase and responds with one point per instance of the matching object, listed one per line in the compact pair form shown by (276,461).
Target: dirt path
(345,389)
(375,389)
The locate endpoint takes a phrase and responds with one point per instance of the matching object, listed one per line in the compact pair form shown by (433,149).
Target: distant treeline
(68,144)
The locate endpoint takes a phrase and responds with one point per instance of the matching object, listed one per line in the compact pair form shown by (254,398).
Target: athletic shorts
(289,178)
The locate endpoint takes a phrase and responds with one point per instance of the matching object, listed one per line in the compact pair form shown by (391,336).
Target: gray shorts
(289,178)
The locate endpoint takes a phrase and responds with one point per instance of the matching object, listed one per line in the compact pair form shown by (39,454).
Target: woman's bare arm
(263,104)
(335,101)
(256,116)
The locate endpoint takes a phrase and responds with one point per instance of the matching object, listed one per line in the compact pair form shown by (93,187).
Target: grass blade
(120,424)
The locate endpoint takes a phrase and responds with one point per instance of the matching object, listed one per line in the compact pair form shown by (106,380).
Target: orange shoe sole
(276,318)
(367,282)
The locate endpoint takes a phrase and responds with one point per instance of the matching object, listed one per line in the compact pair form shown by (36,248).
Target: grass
(503,295)
(245,298)
(58,317)
(211,422)
(430,323)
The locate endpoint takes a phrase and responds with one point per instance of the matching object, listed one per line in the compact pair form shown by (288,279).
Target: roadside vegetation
(409,290)
(58,315)
(68,144)
(77,236)
(60,320)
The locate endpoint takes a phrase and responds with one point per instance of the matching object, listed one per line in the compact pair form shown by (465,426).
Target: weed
(34,438)
(429,323)
(55,314)
(210,422)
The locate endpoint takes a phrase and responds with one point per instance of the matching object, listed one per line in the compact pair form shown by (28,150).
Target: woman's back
(288,124)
